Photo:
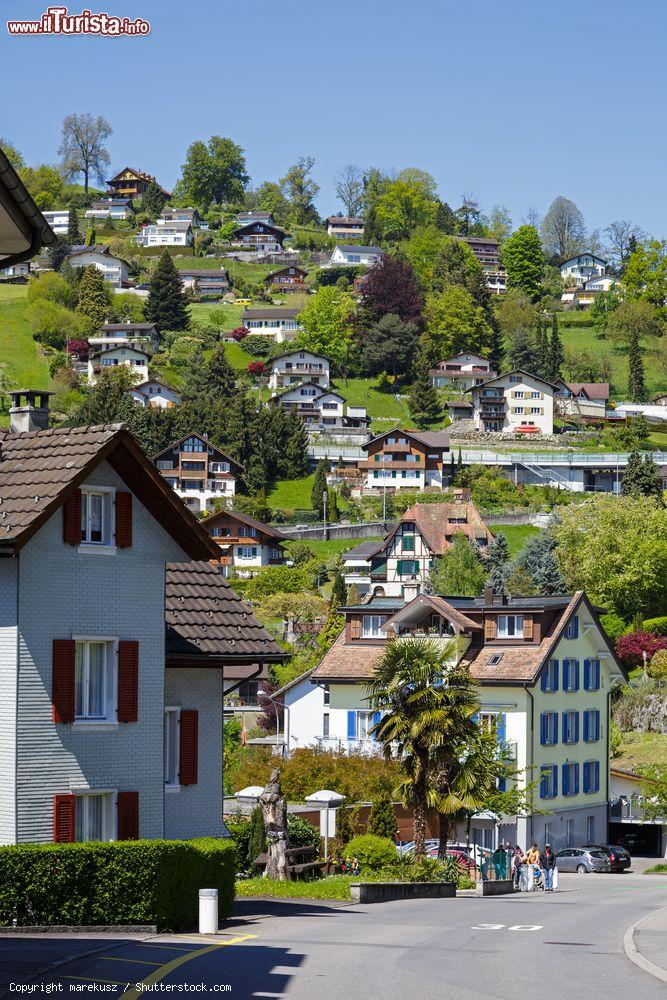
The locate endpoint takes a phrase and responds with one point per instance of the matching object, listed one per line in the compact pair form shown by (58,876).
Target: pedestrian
(517,865)
(532,855)
(547,864)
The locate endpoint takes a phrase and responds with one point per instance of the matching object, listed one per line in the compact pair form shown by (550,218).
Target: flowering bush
(632,648)
(256,368)
(240,333)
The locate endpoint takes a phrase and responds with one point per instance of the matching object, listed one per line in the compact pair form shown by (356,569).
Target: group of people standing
(541,862)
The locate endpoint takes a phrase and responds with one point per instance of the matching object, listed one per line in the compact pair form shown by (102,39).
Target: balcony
(366,745)
(631,810)
(391,463)
(210,486)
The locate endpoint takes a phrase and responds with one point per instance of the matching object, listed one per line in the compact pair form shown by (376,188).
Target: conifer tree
(445,220)
(167,304)
(257,836)
(222,377)
(153,200)
(91,236)
(541,349)
(58,252)
(522,351)
(423,401)
(636,383)
(333,511)
(319,488)
(93,296)
(74,237)
(497,562)
(459,463)
(353,595)
(296,452)
(452,469)
(556,355)
(496,350)
(642,478)
(382,817)
(338,592)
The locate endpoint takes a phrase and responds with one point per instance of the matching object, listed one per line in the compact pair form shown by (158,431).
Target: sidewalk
(645,944)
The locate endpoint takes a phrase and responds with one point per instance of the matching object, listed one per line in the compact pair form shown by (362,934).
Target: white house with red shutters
(106,705)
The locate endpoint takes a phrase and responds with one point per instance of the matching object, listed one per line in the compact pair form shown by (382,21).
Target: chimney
(29,410)
(488,596)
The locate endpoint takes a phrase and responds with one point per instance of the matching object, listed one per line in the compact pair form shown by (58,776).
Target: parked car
(619,858)
(582,860)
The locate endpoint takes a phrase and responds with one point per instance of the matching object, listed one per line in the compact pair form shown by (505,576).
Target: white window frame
(247,552)
(504,633)
(110,683)
(173,711)
(370,631)
(107,546)
(569,832)
(590,829)
(368,719)
(81,817)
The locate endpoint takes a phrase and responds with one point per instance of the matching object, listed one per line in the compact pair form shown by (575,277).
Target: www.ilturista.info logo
(58,21)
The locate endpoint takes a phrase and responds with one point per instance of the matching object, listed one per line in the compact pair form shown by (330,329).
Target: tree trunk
(419,820)
(443,835)
(85,179)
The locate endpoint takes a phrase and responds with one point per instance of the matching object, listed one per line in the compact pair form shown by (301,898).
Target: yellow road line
(164,970)
(165,947)
(138,961)
(96,979)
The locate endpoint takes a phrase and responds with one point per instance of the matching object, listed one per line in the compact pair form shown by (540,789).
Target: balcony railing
(366,745)
(632,810)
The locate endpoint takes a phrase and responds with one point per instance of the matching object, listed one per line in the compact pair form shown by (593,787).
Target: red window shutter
(72,519)
(123,520)
(128,815)
(64,812)
(128,680)
(62,681)
(189,740)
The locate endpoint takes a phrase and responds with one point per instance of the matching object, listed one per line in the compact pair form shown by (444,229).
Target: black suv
(619,858)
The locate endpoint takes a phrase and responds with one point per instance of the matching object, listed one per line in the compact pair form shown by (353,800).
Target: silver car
(582,860)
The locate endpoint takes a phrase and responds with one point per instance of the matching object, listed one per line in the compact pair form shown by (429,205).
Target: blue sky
(513,102)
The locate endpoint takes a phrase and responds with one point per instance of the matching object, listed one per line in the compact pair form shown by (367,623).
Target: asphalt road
(524,947)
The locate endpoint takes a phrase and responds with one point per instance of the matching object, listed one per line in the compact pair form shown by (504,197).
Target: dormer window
(510,626)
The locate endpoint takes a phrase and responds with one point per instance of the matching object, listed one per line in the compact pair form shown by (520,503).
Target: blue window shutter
(576,727)
(500,727)
(587,780)
(576,779)
(543,787)
(575,667)
(596,768)
(587,675)
(555,739)
(597,726)
(545,677)
(596,672)
(566,784)
(555,779)
(564,727)
(376,719)
(543,728)
(351,725)
(587,727)
(566,674)
(555,675)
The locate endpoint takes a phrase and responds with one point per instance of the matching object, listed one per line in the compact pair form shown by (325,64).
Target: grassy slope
(641,749)
(20,356)
(333,546)
(516,534)
(292,494)
(584,337)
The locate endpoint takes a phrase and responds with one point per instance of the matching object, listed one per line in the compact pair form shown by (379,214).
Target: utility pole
(324,501)
(384,504)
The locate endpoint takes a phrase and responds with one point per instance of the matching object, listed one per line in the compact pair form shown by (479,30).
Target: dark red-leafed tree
(635,646)
(391,287)
(79,348)
(240,333)
(256,368)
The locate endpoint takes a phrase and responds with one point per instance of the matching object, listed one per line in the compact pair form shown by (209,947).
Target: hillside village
(307,444)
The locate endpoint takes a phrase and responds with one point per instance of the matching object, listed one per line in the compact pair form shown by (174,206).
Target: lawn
(584,337)
(640,750)
(333,547)
(383,408)
(516,534)
(292,494)
(21,359)
(332,887)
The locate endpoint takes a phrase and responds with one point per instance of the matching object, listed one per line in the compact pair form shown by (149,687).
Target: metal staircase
(549,476)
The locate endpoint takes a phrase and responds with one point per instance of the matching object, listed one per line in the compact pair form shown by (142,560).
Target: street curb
(633,953)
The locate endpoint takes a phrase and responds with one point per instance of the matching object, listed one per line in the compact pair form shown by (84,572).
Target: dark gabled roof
(105,351)
(211,272)
(155,381)
(362,551)
(207,619)
(120,327)
(442,607)
(356,248)
(300,385)
(79,248)
(582,253)
(593,390)
(200,437)
(432,439)
(261,222)
(342,220)
(280,270)
(512,371)
(275,313)
(112,202)
(40,469)
(252,522)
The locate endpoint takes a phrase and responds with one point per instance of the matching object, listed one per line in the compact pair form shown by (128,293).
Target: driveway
(522,947)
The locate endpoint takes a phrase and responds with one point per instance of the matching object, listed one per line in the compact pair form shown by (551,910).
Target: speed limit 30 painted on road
(500,927)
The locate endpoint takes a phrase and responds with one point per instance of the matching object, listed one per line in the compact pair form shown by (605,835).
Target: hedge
(656,625)
(132,882)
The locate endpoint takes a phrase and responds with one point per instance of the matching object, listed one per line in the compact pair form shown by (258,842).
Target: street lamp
(325,798)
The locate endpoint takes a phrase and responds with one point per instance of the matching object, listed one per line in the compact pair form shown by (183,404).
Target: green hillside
(578,333)
(21,358)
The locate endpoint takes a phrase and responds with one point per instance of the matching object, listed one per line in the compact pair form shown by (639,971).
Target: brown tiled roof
(432,439)
(39,469)
(434,523)
(594,390)
(204,440)
(349,661)
(451,613)
(205,617)
(251,522)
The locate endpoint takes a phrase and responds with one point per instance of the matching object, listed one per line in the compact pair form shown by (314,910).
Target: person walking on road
(547,864)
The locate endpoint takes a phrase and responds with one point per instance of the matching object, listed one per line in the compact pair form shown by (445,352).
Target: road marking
(499,927)
(138,961)
(526,927)
(164,970)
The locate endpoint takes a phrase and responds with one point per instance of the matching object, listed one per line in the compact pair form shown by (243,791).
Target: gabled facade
(111,713)
(321,409)
(405,460)
(246,544)
(515,402)
(287,279)
(114,270)
(581,268)
(155,393)
(141,335)
(400,565)
(134,358)
(130,183)
(462,371)
(165,234)
(205,282)
(280,324)
(544,671)
(198,472)
(298,366)
(169,215)
(259,237)
(582,399)
(487,252)
(345,226)
(353,255)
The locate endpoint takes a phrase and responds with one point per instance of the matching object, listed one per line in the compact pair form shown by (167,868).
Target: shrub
(658,665)
(301,832)
(131,882)
(53,324)
(239,333)
(382,819)
(256,836)
(658,626)
(613,625)
(258,346)
(632,648)
(51,287)
(256,368)
(372,853)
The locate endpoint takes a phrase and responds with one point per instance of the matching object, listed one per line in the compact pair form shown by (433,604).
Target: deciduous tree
(459,572)
(523,260)
(563,229)
(350,189)
(301,189)
(392,287)
(82,147)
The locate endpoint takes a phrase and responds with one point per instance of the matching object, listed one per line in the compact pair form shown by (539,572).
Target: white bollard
(555,879)
(531,879)
(208,911)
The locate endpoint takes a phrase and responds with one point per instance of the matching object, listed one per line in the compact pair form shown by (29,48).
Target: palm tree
(426,708)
